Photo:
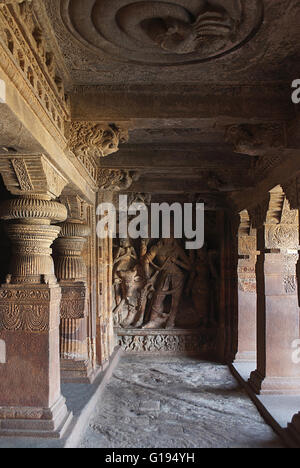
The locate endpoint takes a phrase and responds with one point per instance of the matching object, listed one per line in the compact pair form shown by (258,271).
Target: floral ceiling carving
(163,32)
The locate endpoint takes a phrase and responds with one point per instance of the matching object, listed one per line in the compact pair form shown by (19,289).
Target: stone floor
(169,402)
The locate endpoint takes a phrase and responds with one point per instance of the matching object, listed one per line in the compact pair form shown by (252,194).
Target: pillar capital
(35,182)
(31,175)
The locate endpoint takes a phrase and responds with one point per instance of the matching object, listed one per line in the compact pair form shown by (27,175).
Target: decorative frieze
(190,342)
(22,174)
(29,310)
(30,65)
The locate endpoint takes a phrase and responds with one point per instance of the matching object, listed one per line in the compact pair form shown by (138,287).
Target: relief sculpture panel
(157,284)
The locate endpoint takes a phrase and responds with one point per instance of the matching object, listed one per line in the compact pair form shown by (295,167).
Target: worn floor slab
(278,410)
(170,402)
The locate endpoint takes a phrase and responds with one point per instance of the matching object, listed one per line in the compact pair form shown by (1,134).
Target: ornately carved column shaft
(30,397)
(71,272)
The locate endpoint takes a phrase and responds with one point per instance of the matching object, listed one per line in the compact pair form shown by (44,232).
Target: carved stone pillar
(277,301)
(292,190)
(246,291)
(104,319)
(31,403)
(71,273)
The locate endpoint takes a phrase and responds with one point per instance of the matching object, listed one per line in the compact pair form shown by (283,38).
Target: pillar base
(76,371)
(35,422)
(274,385)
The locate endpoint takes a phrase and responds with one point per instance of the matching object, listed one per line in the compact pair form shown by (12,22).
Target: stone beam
(176,185)
(255,102)
(174,157)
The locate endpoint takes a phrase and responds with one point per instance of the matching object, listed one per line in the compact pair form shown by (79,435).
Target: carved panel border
(187,342)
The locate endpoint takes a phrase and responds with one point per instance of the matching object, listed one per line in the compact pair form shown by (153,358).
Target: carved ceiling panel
(163,32)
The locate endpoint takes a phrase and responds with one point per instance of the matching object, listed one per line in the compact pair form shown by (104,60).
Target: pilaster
(277,300)
(246,291)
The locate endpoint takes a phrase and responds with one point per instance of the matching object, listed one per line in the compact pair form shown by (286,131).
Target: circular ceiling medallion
(163,32)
